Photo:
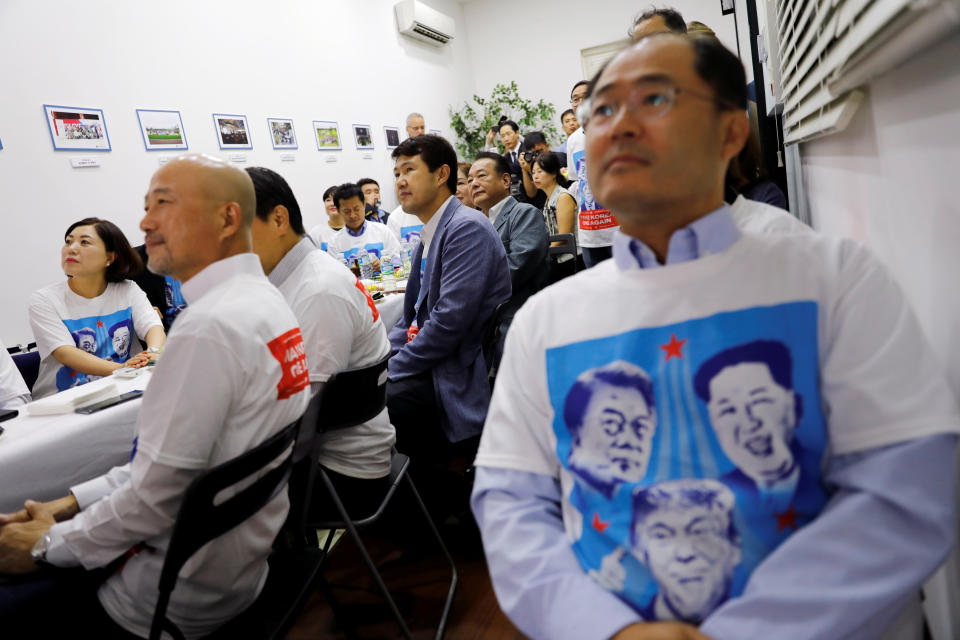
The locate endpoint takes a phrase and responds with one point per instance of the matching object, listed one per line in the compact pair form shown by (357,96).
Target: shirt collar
(710,234)
(220,271)
(357,234)
(426,234)
(496,209)
(291,261)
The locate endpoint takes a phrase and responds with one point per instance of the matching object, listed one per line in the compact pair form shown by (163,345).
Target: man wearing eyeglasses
(874,426)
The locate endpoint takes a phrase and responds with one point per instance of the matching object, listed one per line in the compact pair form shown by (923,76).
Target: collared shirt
(373,237)
(704,236)
(232,374)
(341,330)
(496,209)
(429,229)
(359,232)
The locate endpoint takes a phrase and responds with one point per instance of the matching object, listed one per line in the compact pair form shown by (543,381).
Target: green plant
(475,118)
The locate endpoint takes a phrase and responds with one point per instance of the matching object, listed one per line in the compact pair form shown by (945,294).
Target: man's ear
(231,219)
(279,219)
(443,173)
(736,130)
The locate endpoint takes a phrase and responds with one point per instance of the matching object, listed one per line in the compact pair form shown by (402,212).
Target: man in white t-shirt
(686,441)
(358,232)
(232,375)
(341,330)
(13,390)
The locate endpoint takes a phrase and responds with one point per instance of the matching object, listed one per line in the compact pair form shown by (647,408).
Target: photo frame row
(85,129)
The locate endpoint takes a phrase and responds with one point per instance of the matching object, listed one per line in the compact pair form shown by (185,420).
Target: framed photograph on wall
(434,132)
(327,134)
(392,135)
(76,128)
(363,134)
(233,131)
(727,7)
(282,134)
(162,130)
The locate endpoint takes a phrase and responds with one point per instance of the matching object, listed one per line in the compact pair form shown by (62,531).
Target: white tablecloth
(41,457)
(391,308)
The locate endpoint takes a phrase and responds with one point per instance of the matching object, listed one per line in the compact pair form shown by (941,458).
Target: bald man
(234,375)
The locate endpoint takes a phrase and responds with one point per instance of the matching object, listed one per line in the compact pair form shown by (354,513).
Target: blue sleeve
(537,579)
(889,525)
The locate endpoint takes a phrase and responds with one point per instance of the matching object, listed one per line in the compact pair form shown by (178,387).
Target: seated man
(358,232)
(341,330)
(438,390)
(13,390)
(232,375)
(163,292)
(520,226)
(371,196)
(795,476)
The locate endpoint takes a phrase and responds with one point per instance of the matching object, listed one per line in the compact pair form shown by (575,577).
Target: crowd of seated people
(683,438)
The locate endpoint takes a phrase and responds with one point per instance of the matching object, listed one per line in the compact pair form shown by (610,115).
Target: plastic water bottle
(404,255)
(366,270)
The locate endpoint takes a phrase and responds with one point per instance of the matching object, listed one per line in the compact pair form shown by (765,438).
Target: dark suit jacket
(466,278)
(524,235)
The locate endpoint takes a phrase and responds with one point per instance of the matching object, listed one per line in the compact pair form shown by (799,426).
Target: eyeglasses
(647,101)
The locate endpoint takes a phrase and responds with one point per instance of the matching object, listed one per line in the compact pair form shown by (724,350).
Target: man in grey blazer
(521,228)
(438,392)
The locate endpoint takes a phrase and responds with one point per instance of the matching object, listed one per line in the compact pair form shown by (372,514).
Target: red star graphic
(787,519)
(673,348)
(599,526)
(73,374)
(100,323)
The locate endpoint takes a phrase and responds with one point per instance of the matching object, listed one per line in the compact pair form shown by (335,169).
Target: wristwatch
(39,551)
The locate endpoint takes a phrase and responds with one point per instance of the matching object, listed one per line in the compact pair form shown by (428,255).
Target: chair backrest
(569,246)
(29,366)
(353,397)
(200,519)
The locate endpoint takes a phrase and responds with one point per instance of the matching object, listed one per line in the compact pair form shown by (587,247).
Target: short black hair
(435,152)
(564,114)
(126,264)
(272,191)
(509,123)
(499,162)
(365,181)
(329,192)
(346,191)
(671,18)
(714,63)
(577,84)
(534,138)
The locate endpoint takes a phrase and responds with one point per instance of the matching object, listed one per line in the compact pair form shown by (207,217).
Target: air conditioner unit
(419,21)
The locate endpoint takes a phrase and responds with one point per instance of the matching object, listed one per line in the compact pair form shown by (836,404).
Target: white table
(41,457)
(390,308)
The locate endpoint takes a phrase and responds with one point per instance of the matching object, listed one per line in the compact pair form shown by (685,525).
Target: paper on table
(67,401)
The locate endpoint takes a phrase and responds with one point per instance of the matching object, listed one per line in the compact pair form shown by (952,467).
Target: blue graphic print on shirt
(411,231)
(174,298)
(109,337)
(375,248)
(695,450)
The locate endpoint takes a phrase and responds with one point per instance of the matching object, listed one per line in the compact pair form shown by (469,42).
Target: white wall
(334,60)
(538,43)
(890,181)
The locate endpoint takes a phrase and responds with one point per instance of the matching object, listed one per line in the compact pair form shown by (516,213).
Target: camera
(530,156)
(496,128)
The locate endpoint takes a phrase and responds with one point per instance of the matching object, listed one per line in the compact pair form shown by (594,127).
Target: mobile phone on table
(109,402)
(8,414)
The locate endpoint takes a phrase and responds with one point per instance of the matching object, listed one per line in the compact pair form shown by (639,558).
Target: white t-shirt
(404,225)
(106,326)
(711,392)
(232,374)
(597,225)
(760,217)
(322,234)
(341,330)
(13,390)
(375,237)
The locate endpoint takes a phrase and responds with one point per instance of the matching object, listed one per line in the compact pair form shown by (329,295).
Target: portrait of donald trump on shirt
(611,416)
(684,532)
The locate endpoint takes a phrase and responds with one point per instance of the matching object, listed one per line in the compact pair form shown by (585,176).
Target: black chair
(560,270)
(27,360)
(351,398)
(292,573)
(491,342)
